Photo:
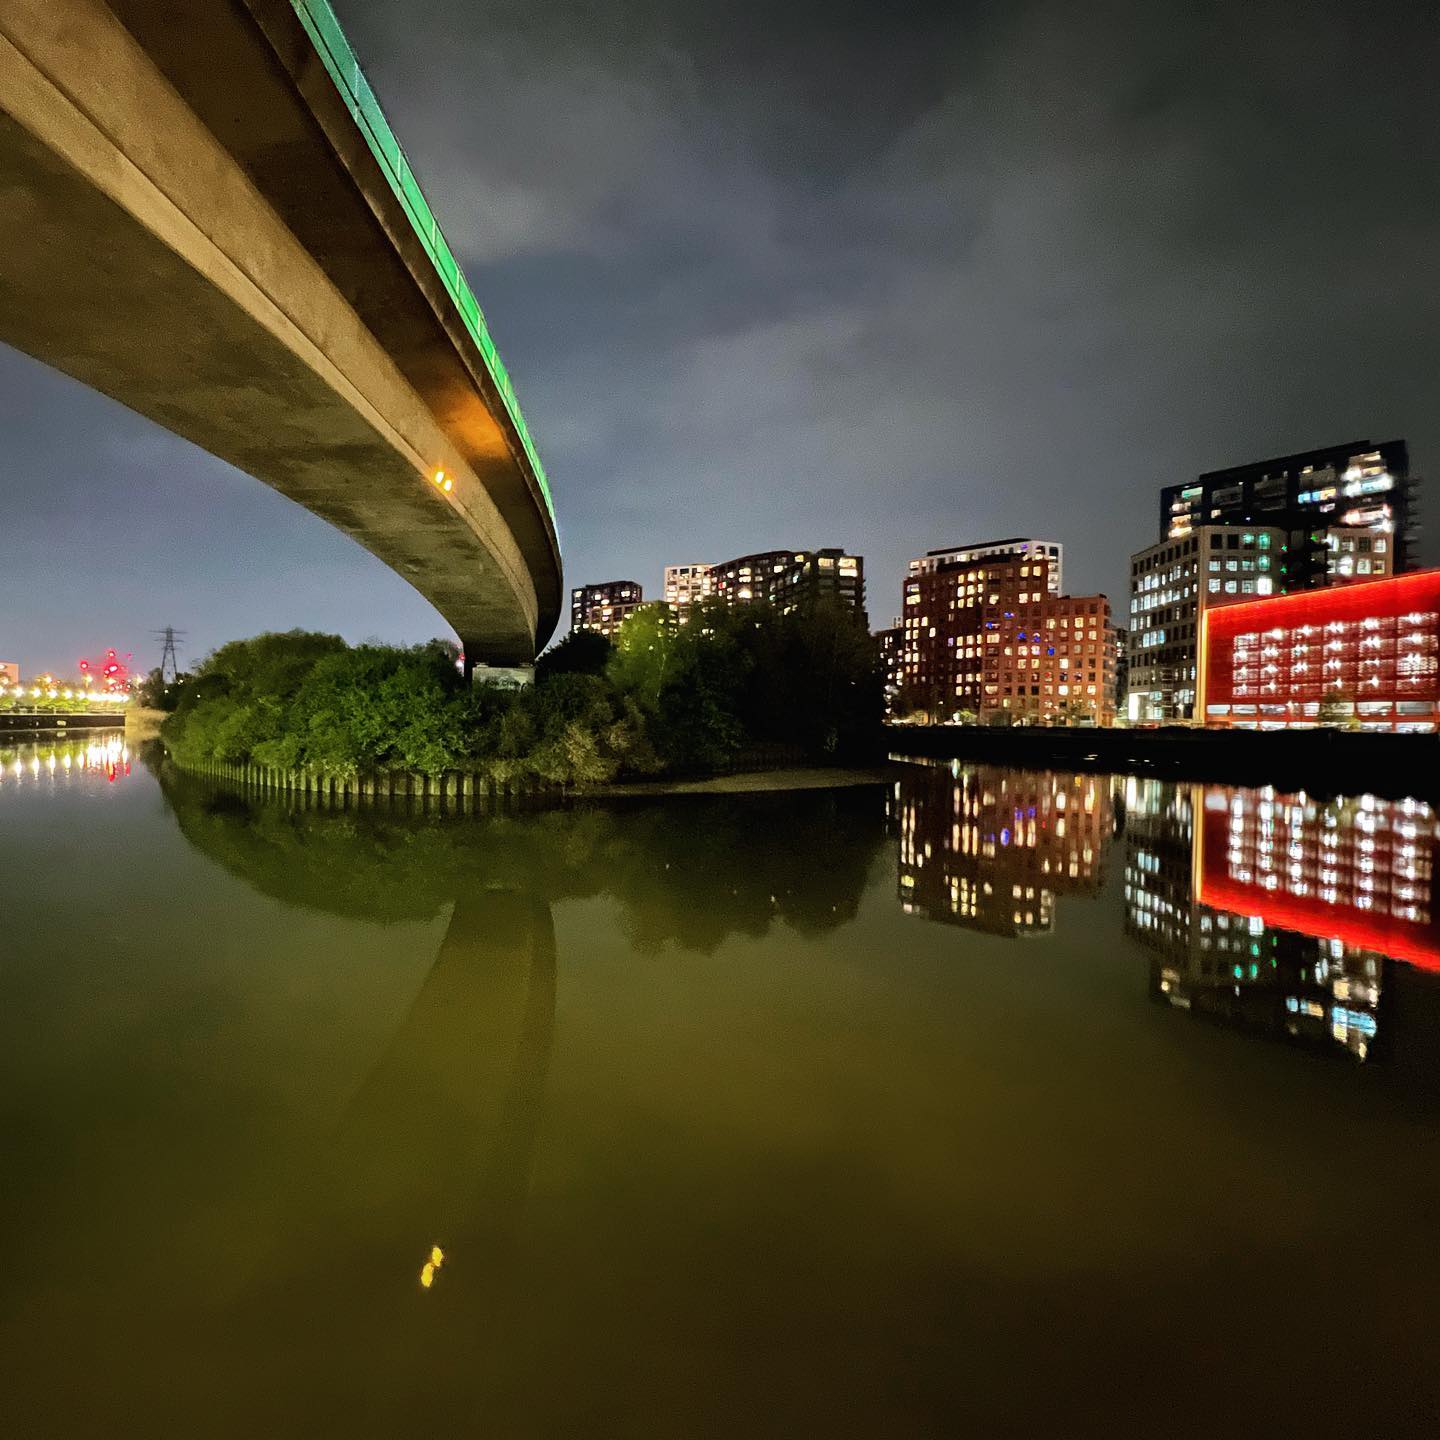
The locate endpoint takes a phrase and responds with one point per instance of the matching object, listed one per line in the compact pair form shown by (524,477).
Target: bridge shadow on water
(438,1143)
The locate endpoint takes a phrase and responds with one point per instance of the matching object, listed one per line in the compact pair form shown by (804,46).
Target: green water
(936,1108)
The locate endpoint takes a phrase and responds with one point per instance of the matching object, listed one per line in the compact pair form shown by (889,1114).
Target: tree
(154,694)
(691,697)
(911,702)
(1077,712)
(581,652)
(1337,711)
(644,648)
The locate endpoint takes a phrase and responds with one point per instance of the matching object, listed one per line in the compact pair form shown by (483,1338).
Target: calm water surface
(990,1102)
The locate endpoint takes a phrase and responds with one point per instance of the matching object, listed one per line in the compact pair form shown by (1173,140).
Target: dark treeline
(665,698)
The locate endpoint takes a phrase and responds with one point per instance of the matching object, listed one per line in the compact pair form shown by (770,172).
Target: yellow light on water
(427,1271)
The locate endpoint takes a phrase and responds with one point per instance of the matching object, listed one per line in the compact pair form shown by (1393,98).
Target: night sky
(803,274)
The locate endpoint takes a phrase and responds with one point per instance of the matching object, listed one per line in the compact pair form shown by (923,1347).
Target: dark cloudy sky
(811,274)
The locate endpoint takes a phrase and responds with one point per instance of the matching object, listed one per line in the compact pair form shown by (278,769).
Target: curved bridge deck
(205,216)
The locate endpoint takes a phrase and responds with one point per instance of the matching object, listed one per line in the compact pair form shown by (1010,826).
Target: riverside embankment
(464,791)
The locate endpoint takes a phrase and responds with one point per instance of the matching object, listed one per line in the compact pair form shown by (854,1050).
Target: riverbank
(751,782)
(142,724)
(1325,761)
(464,792)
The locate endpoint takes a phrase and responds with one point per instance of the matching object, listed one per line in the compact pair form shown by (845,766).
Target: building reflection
(990,848)
(1284,914)
(47,765)
(1360,868)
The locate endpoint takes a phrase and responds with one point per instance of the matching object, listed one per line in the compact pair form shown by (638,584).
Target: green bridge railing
(344,69)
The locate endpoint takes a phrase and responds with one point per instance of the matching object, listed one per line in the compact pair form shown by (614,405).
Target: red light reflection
(1359,871)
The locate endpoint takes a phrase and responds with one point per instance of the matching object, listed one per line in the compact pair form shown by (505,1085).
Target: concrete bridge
(204,214)
(27,720)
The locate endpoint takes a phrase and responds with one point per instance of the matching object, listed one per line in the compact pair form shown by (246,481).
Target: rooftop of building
(991,544)
(605,585)
(1302,458)
(788,554)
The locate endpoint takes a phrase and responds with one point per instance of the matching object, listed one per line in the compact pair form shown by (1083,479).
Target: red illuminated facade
(1365,655)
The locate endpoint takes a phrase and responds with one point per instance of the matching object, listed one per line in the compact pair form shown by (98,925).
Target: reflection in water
(435,1149)
(692,1132)
(444,1126)
(422,1188)
(990,848)
(45,765)
(1359,868)
(689,874)
(1281,913)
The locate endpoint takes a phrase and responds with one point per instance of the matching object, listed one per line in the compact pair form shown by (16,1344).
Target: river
(985,1102)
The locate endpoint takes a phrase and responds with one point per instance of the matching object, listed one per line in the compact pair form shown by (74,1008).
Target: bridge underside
(139,255)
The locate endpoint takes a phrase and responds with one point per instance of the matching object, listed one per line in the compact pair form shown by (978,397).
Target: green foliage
(747,675)
(582,652)
(154,694)
(689,698)
(644,653)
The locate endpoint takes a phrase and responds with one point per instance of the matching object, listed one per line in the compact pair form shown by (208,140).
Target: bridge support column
(507,677)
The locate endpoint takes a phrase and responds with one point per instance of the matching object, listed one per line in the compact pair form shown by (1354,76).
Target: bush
(663,696)
(581,652)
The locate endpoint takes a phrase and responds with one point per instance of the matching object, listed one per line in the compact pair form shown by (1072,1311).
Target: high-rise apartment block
(1297,522)
(1328,501)
(603,608)
(1172,584)
(789,579)
(990,637)
(685,584)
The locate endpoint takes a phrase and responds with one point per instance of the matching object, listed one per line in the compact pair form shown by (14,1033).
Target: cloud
(1123,247)
(794,275)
